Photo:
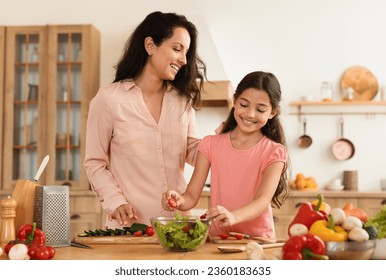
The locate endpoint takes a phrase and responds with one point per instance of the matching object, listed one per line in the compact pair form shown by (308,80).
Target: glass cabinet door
(51,73)
(69,94)
(68,100)
(24,103)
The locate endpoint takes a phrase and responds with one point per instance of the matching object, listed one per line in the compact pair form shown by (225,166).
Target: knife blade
(41,168)
(80,245)
(259,239)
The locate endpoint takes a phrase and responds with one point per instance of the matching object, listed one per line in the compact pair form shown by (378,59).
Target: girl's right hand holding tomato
(171,200)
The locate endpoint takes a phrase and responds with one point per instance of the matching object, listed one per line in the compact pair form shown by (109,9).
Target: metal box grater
(52,214)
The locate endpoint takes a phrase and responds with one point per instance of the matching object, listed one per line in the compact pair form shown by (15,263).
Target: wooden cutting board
(233,240)
(362,81)
(117,239)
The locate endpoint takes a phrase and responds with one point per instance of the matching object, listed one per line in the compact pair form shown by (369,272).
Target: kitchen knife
(259,239)
(80,245)
(41,168)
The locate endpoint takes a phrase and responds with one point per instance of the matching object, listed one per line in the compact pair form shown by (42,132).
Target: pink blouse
(236,176)
(130,158)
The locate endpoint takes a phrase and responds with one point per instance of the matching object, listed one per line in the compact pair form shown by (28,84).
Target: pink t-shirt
(236,176)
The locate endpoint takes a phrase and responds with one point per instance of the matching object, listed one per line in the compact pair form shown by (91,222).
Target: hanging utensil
(343,149)
(304,141)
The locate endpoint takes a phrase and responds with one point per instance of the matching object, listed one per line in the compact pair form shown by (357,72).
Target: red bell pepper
(304,247)
(31,235)
(308,214)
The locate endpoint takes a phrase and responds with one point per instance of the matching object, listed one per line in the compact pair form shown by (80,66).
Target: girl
(248,162)
(141,128)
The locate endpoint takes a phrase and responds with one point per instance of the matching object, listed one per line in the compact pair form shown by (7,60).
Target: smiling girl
(248,163)
(141,128)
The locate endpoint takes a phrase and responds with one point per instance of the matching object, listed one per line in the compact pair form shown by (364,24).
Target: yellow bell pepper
(328,231)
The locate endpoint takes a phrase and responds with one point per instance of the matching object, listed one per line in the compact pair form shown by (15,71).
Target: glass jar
(326,91)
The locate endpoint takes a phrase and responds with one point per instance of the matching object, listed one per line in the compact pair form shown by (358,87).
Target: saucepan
(343,149)
(304,141)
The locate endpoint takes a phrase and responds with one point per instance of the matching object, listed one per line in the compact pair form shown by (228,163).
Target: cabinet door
(24,104)
(371,205)
(2,57)
(71,84)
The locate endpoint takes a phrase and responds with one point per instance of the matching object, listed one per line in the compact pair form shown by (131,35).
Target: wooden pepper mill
(8,214)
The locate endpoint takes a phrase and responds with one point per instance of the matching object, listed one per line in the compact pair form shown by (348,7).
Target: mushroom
(298,229)
(338,215)
(351,222)
(254,251)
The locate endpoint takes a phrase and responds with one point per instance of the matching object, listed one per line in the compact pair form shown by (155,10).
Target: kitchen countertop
(208,251)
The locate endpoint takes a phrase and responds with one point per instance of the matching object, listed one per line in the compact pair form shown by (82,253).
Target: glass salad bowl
(350,250)
(181,234)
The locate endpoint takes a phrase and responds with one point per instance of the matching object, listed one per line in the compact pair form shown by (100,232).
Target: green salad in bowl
(180,233)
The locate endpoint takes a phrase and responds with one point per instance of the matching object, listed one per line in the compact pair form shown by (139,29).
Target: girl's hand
(171,200)
(222,215)
(123,214)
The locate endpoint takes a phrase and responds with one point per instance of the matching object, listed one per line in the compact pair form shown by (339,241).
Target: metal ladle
(304,141)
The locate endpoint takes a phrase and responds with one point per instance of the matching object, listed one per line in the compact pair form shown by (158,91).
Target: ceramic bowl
(350,250)
(186,234)
(380,250)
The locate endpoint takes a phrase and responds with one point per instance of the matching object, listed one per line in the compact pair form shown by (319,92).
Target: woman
(141,128)
(248,162)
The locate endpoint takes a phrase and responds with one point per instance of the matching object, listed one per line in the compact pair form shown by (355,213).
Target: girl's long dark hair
(273,129)
(160,26)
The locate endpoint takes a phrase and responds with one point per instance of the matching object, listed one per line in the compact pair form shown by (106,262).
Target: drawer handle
(275,219)
(75,217)
(383,202)
(297,205)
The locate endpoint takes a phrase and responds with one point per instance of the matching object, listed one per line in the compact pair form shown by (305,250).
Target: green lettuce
(379,222)
(174,235)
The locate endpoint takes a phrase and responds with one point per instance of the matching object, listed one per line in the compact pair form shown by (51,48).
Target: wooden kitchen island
(208,251)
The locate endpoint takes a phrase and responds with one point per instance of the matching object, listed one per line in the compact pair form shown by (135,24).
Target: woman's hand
(222,215)
(171,200)
(123,214)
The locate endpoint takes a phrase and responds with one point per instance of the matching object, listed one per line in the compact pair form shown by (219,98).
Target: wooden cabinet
(370,202)
(51,74)
(2,57)
(217,93)
(85,212)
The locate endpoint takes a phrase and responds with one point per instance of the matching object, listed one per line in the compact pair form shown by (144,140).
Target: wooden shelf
(338,103)
(339,107)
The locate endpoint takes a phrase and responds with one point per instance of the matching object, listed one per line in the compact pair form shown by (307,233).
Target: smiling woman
(145,120)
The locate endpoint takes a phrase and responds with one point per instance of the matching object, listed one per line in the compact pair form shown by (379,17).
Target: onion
(18,252)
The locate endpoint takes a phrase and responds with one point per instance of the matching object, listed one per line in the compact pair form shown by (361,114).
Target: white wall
(302,41)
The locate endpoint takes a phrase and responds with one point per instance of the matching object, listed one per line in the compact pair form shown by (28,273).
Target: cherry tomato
(172,202)
(186,229)
(149,231)
(8,247)
(32,252)
(239,236)
(203,216)
(42,253)
(138,233)
(51,252)
(224,236)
